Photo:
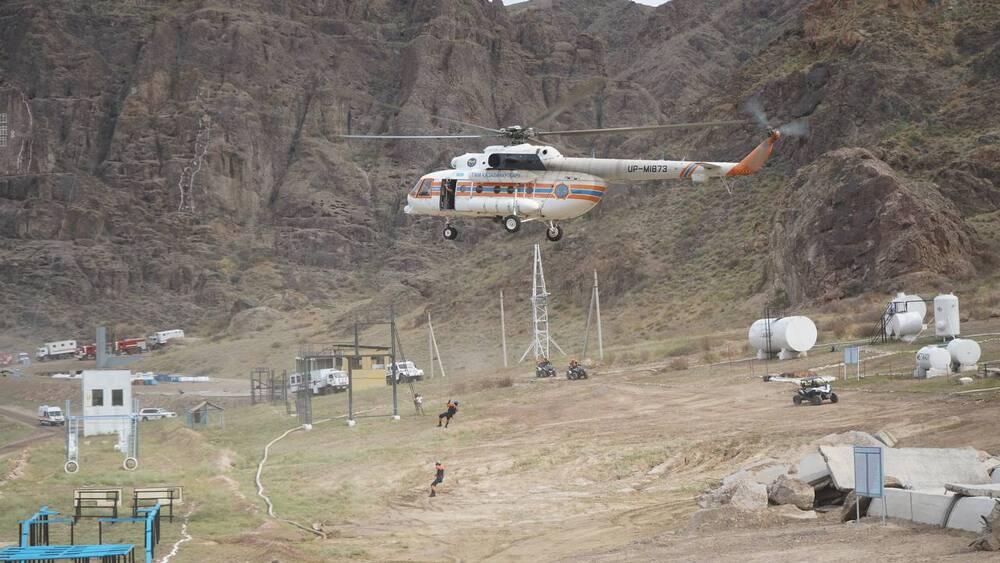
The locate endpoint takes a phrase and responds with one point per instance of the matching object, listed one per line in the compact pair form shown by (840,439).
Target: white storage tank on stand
(946,320)
(790,337)
(904,326)
(905,317)
(932,362)
(905,303)
(964,354)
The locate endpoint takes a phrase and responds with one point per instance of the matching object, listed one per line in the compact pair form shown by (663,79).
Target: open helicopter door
(448,188)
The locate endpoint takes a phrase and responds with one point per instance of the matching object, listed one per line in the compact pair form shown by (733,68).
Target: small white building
(106,392)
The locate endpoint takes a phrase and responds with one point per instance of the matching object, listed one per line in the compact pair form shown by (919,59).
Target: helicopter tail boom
(754,161)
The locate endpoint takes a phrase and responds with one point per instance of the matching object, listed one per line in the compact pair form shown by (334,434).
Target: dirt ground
(606,469)
(579,503)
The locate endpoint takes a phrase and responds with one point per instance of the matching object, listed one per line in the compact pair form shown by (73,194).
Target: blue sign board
(852,355)
(869,474)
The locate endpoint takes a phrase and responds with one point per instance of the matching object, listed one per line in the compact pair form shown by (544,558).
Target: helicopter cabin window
(510,189)
(496,189)
(479,189)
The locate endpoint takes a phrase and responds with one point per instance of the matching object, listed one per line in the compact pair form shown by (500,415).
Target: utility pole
(597,302)
(435,352)
(503,330)
(394,370)
(430,343)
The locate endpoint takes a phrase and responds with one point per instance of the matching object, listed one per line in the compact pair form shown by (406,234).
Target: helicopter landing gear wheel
(554,232)
(512,223)
(450,233)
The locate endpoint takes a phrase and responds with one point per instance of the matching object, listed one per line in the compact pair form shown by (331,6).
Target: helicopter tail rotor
(797,128)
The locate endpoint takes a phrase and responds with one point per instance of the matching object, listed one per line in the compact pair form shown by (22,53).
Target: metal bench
(105,501)
(165,496)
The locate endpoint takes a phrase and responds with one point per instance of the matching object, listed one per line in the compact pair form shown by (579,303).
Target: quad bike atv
(814,390)
(545,370)
(576,372)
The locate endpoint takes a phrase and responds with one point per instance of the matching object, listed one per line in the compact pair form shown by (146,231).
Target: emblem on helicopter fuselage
(471,162)
(562,191)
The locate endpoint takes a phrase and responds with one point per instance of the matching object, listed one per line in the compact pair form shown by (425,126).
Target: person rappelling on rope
(438,477)
(446,415)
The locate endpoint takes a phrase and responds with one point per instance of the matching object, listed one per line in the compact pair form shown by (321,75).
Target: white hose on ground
(260,486)
(185,536)
(260,469)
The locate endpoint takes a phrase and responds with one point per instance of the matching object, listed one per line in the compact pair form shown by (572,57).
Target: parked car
(155,413)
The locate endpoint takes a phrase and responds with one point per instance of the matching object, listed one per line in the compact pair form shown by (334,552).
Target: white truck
(405,371)
(155,413)
(56,350)
(323,381)
(159,339)
(50,416)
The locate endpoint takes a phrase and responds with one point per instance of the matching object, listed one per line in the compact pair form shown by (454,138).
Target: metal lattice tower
(540,313)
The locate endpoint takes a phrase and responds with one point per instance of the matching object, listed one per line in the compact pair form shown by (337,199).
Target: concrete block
(931,508)
(886,438)
(916,468)
(968,513)
(769,474)
(897,505)
(991,490)
(811,469)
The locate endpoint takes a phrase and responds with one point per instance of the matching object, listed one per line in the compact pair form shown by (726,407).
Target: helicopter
(520,181)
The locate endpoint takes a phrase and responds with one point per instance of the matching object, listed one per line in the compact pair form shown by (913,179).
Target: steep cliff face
(167,160)
(848,223)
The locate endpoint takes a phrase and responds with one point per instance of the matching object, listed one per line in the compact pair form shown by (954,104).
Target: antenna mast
(540,313)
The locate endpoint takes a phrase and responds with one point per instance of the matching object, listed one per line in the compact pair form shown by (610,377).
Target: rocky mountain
(174,162)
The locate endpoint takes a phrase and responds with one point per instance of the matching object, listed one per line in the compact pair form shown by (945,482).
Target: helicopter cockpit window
(424,188)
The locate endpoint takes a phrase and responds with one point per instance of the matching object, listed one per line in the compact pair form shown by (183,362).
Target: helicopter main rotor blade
(439,117)
(418,136)
(612,130)
(576,94)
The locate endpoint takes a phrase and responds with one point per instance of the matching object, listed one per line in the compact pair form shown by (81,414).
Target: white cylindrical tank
(946,321)
(795,334)
(933,358)
(910,304)
(904,324)
(758,333)
(964,352)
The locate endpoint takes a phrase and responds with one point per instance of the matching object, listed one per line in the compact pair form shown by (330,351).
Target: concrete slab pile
(924,469)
